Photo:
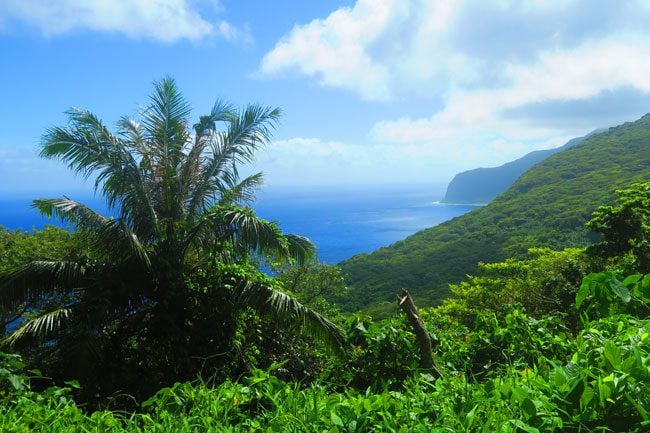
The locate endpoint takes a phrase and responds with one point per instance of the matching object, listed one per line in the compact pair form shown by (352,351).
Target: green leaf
(470,416)
(336,420)
(643,288)
(523,426)
(612,354)
(620,290)
(73,384)
(17,382)
(583,292)
(528,407)
(632,279)
(587,396)
(560,377)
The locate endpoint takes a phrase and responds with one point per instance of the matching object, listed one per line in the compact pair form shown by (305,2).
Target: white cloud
(509,73)
(162,20)
(232,33)
(394,49)
(368,48)
(469,118)
(386,49)
(582,72)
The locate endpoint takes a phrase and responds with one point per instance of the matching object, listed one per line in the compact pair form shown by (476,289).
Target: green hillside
(547,206)
(482,185)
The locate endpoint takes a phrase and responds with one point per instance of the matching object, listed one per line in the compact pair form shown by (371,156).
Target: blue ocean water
(341,222)
(345,222)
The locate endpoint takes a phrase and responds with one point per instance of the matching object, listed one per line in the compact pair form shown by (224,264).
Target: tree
(625,228)
(20,247)
(314,283)
(162,290)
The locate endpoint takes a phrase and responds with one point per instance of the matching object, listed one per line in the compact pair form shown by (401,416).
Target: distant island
(482,185)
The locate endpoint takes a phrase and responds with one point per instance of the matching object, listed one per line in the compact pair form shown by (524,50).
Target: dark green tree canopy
(625,228)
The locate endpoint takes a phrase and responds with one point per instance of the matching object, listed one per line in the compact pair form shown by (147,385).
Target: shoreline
(460,204)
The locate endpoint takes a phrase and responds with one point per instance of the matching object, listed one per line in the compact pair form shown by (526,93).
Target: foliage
(547,206)
(543,283)
(18,248)
(153,301)
(496,342)
(383,355)
(507,372)
(601,384)
(606,293)
(625,228)
(314,283)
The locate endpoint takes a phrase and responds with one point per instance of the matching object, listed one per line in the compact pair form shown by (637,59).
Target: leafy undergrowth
(601,385)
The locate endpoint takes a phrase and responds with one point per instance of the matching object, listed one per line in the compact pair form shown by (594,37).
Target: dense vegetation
(556,343)
(482,185)
(159,319)
(547,206)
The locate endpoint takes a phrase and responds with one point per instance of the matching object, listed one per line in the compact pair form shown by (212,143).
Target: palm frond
(245,132)
(86,145)
(248,233)
(240,228)
(88,148)
(71,211)
(251,129)
(42,327)
(106,233)
(165,120)
(287,311)
(165,124)
(29,282)
(232,193)
(300,248)
(222,111)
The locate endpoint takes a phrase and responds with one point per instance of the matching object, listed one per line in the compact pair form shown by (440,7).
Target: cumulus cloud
(583,73)
(502,69)
(366,48)
(162,20)
(386,49)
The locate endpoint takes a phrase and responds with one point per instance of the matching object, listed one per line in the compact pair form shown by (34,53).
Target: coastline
(446,203)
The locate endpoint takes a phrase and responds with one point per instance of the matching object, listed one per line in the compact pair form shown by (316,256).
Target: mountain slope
(481,185)
(547,206)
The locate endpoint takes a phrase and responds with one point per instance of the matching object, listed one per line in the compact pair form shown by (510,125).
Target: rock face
(481,185)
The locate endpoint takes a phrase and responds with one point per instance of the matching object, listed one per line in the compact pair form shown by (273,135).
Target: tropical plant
(18,248)
(153,293)
(625,228)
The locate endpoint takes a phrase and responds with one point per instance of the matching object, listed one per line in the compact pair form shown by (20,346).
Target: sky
(374,92)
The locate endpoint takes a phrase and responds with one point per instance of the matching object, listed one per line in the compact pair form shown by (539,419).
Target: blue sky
(374,91)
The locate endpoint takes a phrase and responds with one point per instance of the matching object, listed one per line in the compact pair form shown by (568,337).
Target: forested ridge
(547,206)
(161,320)
(482,185)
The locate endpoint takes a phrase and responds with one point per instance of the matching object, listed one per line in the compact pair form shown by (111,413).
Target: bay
(341,221)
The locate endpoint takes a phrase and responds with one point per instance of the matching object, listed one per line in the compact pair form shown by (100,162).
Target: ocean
(341,222)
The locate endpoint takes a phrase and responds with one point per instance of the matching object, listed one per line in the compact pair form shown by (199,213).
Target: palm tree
(162,272)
